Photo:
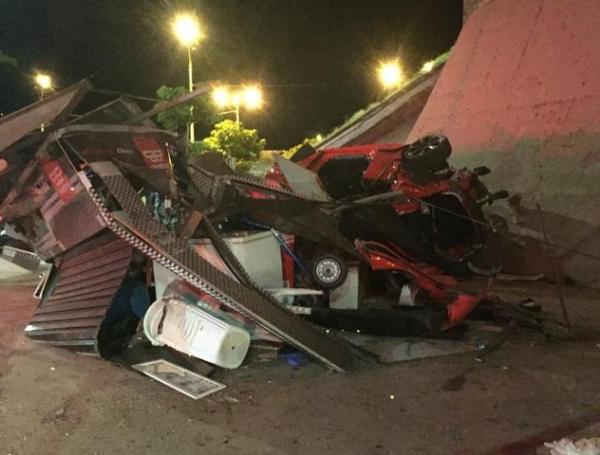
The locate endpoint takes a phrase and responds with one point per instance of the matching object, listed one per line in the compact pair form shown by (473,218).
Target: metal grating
(204,184)
(69,233)
(88,278)
(25,259)
(142,231)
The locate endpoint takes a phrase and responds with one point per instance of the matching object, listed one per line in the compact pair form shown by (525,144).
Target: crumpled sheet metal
(152,239)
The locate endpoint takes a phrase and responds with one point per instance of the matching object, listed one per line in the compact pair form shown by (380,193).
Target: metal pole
(191,87)
(42,126)
(237,114)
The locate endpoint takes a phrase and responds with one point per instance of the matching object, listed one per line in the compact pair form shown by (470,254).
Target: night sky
(315,58)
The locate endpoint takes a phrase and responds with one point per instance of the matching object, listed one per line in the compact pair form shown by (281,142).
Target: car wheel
(329,271)
(432,148)
(425,160)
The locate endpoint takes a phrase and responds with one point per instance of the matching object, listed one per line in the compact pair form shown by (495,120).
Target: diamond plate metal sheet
(60,218)
(25,259)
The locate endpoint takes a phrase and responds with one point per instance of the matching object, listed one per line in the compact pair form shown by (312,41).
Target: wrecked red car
(410,215)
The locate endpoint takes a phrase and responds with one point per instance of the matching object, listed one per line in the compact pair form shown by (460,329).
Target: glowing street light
(390,74)
(220,97)
(250,97)
(187,31)
(427,66)
(44,82)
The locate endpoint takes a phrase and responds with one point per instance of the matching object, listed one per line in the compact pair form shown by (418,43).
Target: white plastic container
(258,252)
(195,332)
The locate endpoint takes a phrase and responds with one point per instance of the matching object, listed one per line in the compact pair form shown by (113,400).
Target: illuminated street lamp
(390,74)
(220,96)
(187,31)
(250,97)
(427,66)
(44,82)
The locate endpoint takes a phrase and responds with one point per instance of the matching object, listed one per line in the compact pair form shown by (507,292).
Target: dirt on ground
(530,390)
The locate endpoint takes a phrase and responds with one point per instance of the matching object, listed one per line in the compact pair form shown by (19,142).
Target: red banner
(59,180)
(154,156)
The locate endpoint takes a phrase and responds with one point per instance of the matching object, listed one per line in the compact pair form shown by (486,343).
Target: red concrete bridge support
(521,94)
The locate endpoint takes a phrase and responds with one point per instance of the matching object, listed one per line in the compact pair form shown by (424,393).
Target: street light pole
(237,113)
(187,30)
(44,82)
(191,87)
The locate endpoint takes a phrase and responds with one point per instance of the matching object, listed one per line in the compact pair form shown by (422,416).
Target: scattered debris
(53,415)
(185,381)
(369,241)
(396,349)
(64,412)
(454,384)
(581,447)
(293,357)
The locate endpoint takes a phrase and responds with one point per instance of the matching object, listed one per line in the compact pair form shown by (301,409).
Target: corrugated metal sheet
(88,278)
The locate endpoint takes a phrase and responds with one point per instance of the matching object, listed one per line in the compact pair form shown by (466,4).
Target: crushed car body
(206,259)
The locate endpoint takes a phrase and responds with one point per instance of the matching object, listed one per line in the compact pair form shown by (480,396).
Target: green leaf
(203,115)
(239,145)
(8,60)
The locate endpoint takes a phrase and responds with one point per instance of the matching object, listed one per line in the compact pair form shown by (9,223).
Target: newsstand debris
(372,239)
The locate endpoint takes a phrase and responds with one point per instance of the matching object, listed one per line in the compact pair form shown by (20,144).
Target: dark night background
(316,58)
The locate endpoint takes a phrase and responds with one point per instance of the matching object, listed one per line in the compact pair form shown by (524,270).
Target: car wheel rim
(328,271)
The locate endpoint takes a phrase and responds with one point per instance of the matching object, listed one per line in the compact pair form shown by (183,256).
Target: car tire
(425,160)
(431,149)
(328,271)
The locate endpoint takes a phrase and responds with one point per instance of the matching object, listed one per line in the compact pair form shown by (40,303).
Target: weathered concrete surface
(56,402)
(469,6)
(521,94)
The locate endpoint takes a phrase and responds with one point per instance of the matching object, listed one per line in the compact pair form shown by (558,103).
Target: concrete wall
(397,126)
(469,6)
(390,120)
(521,94)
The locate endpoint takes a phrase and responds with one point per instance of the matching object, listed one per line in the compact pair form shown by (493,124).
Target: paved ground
(56,402)
(11,273)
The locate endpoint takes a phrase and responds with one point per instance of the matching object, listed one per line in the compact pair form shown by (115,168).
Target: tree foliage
(7,60)
(240,146)
(177,118)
